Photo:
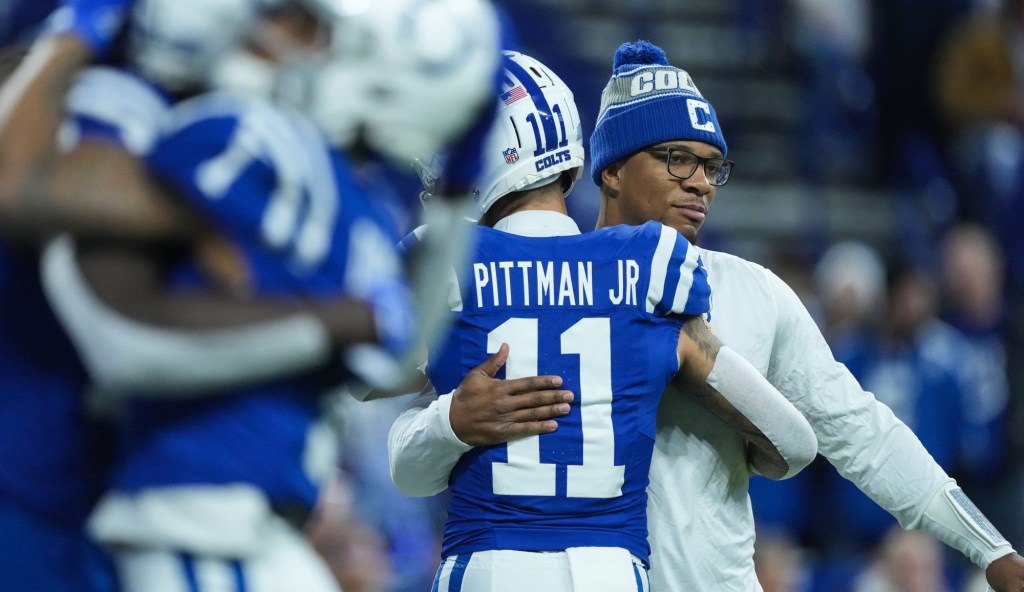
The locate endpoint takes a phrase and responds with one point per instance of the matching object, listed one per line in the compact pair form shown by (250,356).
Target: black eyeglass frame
(700,161)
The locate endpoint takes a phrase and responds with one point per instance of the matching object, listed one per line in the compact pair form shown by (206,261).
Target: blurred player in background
(566,510)
(134,122)
(53,455)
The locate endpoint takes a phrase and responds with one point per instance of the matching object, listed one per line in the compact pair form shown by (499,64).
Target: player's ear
(610,181)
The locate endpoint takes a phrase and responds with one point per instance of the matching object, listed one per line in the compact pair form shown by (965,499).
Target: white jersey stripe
(686,270)
(118,99)
(454,292)
(659,267)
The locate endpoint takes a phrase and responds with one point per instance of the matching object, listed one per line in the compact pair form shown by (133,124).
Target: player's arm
(780,441)
(428,438)
(876,451)
(136,336)
(44,188)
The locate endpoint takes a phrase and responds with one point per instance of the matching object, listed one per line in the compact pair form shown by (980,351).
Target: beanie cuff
(627,129)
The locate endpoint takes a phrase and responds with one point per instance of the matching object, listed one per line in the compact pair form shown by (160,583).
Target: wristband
(954,519)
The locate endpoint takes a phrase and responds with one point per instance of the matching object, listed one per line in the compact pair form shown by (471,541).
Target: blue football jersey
(53,456)
(603,310)
(272,185)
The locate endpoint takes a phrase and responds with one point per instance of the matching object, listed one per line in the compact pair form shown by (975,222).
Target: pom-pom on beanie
(646,102)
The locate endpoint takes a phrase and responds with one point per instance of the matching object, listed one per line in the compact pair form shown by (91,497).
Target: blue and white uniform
(225,479)
(54,457)
(604,311)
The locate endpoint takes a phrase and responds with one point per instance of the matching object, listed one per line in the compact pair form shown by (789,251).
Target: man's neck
(545,199)
(602,215)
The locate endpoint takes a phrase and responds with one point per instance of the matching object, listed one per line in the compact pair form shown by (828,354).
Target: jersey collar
(538,223)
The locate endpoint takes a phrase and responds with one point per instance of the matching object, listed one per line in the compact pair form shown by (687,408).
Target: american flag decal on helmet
(511,155)
(514,94)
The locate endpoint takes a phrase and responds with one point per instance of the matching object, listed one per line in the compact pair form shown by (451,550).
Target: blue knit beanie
(646,102)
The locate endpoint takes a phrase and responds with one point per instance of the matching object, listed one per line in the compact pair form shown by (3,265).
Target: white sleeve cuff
(422,448)
(954,519)
(444,423)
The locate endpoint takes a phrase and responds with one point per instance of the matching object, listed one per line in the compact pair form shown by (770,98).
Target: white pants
(580,569)
(286,562)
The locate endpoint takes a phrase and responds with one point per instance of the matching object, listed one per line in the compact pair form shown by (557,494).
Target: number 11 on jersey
(524,473)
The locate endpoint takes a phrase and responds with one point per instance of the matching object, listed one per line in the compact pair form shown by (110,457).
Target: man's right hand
(1006,574)
(487,410)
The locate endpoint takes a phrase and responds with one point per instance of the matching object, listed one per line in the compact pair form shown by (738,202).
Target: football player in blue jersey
(566,510)
(308,258)
(53,455)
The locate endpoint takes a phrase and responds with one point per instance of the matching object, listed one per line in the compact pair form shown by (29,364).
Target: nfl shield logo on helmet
(511,155)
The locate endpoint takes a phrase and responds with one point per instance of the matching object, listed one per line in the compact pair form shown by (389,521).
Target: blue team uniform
(273,186)
(603,310)
(54,456)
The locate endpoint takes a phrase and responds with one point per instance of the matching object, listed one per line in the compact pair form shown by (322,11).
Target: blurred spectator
(832,40)
(974,303)
(779,562)
(979,77)
(850,282)
(907,561)
(905,36)
(973,281)
(979,90)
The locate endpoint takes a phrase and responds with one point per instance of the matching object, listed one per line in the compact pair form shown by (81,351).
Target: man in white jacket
(701,524)
(512,525)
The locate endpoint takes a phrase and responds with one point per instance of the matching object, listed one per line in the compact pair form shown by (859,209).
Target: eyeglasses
(682,164)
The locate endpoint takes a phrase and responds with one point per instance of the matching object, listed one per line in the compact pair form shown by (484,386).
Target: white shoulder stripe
(122,101)
(659,267)
(686,269)
(454,291)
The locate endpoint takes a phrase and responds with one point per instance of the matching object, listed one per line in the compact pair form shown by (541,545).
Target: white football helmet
(537,134)
(405,77)
(178,44)
(533,105)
